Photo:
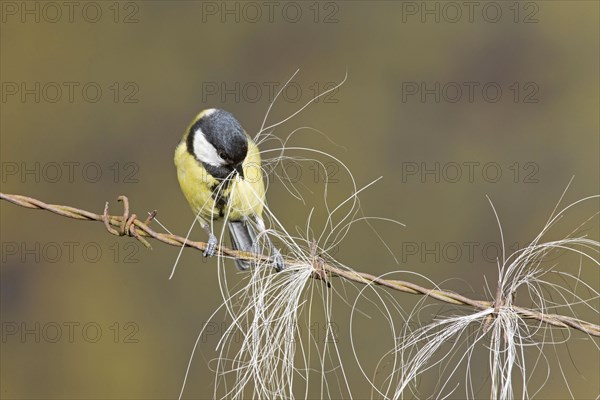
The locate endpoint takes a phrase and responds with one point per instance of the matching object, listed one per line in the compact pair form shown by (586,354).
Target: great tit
(219,171)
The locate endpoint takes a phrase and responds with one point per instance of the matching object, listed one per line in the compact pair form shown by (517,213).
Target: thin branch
(129,225)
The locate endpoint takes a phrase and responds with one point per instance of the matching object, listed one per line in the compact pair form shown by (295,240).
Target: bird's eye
(223,155)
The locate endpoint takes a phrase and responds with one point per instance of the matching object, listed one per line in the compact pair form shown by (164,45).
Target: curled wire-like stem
(129,225)
(125,202)
(106,219)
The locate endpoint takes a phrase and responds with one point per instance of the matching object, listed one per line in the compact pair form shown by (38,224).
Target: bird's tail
(243,237)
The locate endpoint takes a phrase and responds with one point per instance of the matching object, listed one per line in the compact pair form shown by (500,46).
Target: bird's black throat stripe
(221,173)
(216,192)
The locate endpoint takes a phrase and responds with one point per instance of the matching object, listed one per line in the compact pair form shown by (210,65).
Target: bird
(219,172)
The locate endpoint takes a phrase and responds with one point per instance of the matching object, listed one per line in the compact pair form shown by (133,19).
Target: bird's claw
(211,246)
(278,262)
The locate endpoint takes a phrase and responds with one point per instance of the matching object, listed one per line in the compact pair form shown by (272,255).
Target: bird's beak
(240,170)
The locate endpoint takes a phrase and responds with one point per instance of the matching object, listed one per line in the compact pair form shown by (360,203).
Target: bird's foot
(278,262)
(211,245)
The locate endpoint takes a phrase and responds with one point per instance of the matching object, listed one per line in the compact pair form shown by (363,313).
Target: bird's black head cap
(225,133)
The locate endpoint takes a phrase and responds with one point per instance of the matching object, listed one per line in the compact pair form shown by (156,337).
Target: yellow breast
(209,199)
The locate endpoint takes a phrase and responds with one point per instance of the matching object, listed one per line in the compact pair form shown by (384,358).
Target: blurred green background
(157,63)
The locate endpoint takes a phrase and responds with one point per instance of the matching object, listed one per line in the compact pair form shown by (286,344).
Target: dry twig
(129,225)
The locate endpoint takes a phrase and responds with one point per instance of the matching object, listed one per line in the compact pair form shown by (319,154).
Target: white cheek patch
(205,151)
